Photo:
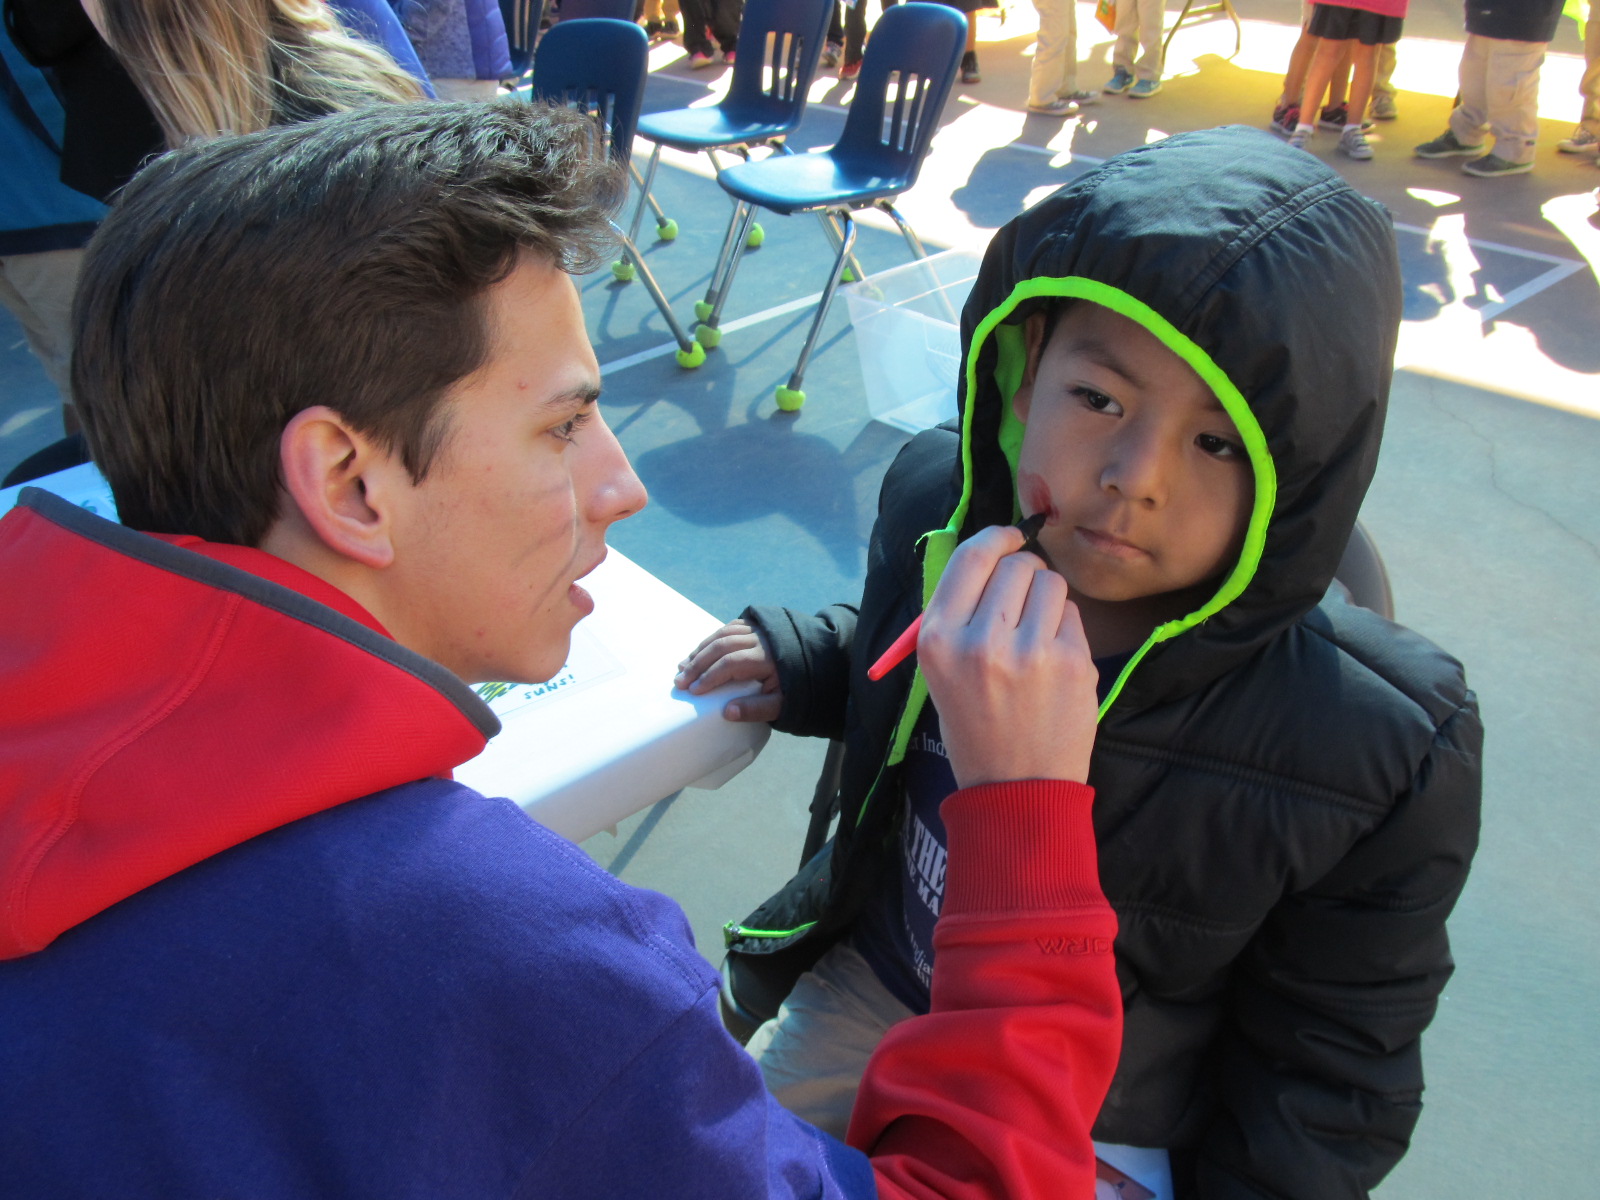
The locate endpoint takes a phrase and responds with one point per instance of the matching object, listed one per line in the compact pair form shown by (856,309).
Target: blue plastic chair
(905,78)
(775,60)
(599,66)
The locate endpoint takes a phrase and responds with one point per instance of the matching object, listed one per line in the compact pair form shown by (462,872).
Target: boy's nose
(1137,469)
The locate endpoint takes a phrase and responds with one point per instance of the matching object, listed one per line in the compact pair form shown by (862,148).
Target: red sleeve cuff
(1027,845)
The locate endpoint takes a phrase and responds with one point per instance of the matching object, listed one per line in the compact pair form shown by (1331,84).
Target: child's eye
(567,431)
(1218,446)
(1098,401)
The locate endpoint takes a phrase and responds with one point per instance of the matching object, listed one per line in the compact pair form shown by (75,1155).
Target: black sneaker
(1446,145)
(969,68)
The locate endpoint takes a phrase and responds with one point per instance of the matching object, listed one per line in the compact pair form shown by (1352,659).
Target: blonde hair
(214,67)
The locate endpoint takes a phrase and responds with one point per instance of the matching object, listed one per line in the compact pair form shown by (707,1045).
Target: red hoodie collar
(165,699)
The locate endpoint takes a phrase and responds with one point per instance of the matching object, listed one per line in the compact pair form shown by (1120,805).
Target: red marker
(900,649)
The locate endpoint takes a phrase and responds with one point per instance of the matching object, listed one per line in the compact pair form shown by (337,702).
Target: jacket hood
(165,699)
(1280,286)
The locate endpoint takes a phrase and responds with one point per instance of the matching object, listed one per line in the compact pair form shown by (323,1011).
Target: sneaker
(1300,136)
(850,70)
(969,68)
(1581,142)
(1337,116)
(831,54)
(1446,145)
(1144,89)
(699,60)
(1082,98)
(1059,107)
(1382,108)
(1491,165)
(1353,144)
(1119,82)
(1284,118)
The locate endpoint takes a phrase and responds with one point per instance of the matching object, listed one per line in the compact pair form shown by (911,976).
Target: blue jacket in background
(37,211)
(457,39)
(375,21)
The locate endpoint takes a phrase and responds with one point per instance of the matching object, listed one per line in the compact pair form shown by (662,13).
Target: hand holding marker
(900,649)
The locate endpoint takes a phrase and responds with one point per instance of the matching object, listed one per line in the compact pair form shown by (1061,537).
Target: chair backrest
(780,44)
(597,66)
(587,10)
(905,78)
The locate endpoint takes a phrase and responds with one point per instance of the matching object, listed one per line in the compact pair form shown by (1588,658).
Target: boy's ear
(339,481)
(1033,331)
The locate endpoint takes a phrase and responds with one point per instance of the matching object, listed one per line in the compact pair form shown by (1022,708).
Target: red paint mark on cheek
(1036,496)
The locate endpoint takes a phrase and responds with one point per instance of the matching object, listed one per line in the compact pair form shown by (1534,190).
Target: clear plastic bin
(908,337)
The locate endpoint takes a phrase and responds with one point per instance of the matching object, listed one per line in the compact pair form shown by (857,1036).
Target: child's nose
(1138,467)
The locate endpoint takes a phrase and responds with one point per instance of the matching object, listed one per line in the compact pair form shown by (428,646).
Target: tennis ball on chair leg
(790,399)
(756,236)
(708,336)
(702,309)
(693,357)
(667,230)
(622,271)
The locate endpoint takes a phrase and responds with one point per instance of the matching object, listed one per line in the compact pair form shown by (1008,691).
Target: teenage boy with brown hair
(255,942)
(1287,785)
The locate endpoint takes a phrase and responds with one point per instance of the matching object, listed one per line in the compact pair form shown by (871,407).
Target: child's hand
(734,652)
(1008,666)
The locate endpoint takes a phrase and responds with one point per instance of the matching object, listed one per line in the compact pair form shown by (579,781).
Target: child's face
(1143,474)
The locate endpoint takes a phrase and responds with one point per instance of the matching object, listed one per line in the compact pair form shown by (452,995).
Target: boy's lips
(1109,544)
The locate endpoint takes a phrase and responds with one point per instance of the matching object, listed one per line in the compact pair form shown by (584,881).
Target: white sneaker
(1353,143)
(1300,136)
(1055,108)
(1581,142)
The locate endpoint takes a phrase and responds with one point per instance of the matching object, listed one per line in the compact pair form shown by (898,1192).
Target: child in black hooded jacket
(1287,785)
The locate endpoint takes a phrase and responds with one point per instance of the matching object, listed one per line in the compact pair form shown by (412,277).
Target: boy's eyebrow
(1103,355)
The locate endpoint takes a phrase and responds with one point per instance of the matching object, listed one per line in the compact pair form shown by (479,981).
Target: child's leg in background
(726,17)
(1325,60)
(1139,26)
(1499,92)
(696,17)
(1055,56)
(813,1052)
(1382,106)
(1363,65)
(1590,85)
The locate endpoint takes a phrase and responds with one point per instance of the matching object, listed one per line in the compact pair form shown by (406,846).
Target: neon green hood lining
(941,543)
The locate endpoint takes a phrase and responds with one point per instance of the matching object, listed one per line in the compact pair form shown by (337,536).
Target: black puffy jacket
(1287,786)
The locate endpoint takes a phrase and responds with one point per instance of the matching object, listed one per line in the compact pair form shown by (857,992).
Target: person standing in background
(1506,43)
(1053,78)
(709,26)
(1138,26)
(1585,138)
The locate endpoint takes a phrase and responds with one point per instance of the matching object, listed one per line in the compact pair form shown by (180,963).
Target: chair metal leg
(910,235)
(666,227)
(707,334)
(830,226)
(790,398)
(690,353)
(703,308)
(756,235)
